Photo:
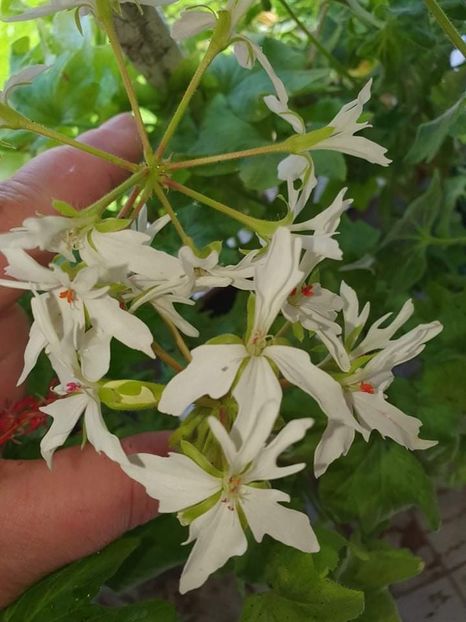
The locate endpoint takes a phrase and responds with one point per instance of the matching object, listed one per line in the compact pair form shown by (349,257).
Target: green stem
(114,194)
(224,157)
(283,330)
(165,357)
(171,212)
(66,140)
(180,343)
(446,241)
(314,41)
(364,15)
(445,23)
(107,20)
(212,51)
(248,221)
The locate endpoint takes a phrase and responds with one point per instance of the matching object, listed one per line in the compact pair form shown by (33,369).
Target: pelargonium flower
(214,367)
(364,388)
(213,500)
(71,303)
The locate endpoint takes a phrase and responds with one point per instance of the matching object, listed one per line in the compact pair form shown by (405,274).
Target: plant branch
(165,357)
(225,157)
(180,343)
(37,128)
(446,25)
(116,193)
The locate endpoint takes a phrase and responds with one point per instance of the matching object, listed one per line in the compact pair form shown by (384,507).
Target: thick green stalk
(104,202)
(225,157)
(160,194)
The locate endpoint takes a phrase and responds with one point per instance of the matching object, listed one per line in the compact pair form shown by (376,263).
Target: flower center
(256,344)
(68,295)
(367,387)
(72,387)
(231,489)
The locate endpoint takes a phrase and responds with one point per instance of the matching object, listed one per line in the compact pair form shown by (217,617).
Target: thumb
(51,518)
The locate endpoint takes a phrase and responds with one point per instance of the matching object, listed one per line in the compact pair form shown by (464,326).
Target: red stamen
(367,387)
(307,290)
(22,418)
(72,387)
(68,295)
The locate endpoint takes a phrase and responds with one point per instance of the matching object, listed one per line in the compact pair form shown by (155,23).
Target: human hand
(50,518)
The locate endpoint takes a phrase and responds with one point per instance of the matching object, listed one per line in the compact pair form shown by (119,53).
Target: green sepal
(227,338)
(110,225)
(77,20)
(352,338)
(298,331)
(12,119)
(250,314)
(130,394)
(65,209)
(196,456)
(186,517)
(360,362)
(303,142)
(205,251)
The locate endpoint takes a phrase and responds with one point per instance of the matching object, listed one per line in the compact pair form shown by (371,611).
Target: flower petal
(65,413)
(94,353)
(99,436)
(275,278)
(177,482)
(266,516)
(37,342)
(219,536)
(265,465)
(107,316)
(191,23)
(257,385)
(335,442)
(297,368)
(378,337)
(211,372)
(380,415)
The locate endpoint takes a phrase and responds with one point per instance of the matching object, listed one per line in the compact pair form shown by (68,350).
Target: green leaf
(62,595)
(378,566)
(372,483)
(299,593)
(379,607)
(160,550)
(430,135)
(65,209)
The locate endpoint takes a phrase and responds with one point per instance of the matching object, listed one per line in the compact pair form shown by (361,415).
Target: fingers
(69,175)
(14,329)
(54,517)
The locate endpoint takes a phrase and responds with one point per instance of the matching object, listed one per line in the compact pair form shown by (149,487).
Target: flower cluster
(106,268)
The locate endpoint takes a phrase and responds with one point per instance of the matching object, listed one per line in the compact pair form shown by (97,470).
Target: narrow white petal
(192,23)
(335,442)
(378,337)
(35,345)
(353,319)
(23,267)
(265,515)
(265,465)
(107,316)
(297,368)
(65,413)
(211,372)
(275,278)
(177,482)
(99,436)
(219,536)
(357,146)
(390,421)
(94,352)
(257,385)
(224,440)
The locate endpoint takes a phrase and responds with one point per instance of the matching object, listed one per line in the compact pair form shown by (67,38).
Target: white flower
(291,169)
(364,388)
(342,127)
(205,272)
(179,484)
(83,5)
(80,396)
(193,21)
(316,308)
(73,301)
(214,368)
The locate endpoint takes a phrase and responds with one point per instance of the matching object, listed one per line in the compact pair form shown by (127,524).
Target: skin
(51,518)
